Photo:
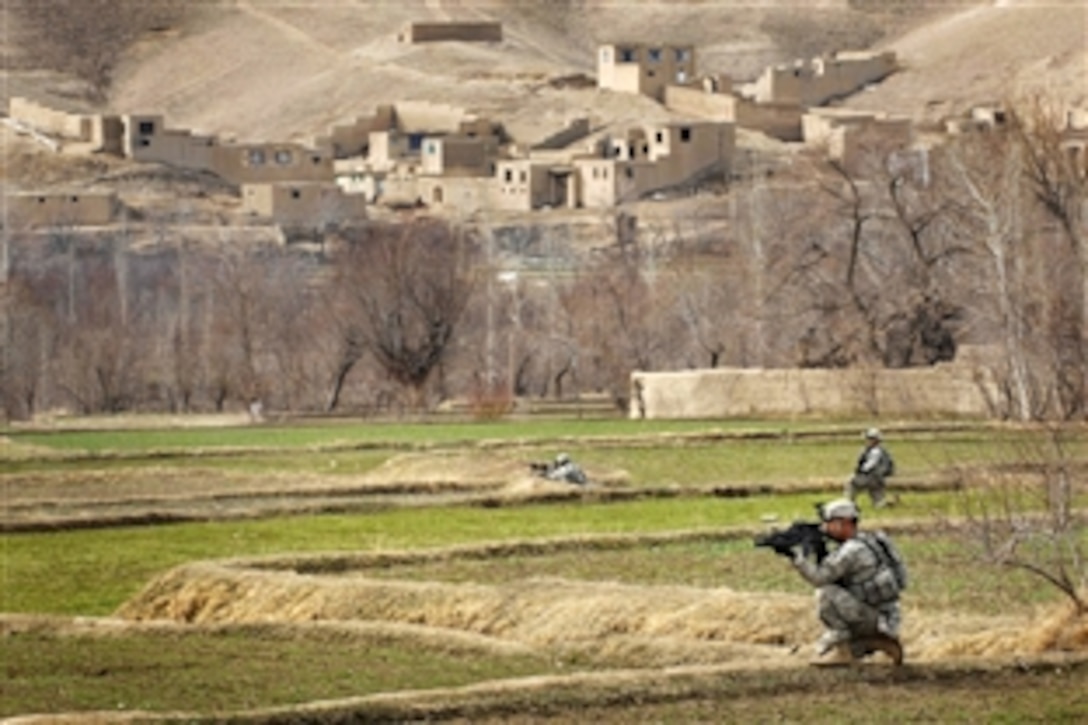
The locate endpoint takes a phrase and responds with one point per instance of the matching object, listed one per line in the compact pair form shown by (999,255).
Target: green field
(50,576)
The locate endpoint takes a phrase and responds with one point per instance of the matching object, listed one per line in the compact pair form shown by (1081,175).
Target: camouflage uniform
(567,470)
(870,473)
(856,595)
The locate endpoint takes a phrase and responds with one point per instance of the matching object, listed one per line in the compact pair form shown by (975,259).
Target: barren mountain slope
(283,69)
(987,54)
(263,69)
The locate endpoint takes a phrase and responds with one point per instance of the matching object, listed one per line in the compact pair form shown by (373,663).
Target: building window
(431,148)
(145,142)
(283,157)
(146,128)
(630,172)
(645,149)
(296,194)
(659,137)
(256,157)
(655,55)
(74,199)
(508,175)
(41,199)
(627,55)
(316,160)
(681,55)
(685,134)
(522,177)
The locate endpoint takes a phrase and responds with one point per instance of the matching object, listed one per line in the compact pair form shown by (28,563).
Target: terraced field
(418,572)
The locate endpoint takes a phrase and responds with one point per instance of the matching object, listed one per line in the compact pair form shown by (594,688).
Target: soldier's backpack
(888,554)
(887,463)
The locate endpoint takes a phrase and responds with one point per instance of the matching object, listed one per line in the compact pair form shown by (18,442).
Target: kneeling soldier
(857,589)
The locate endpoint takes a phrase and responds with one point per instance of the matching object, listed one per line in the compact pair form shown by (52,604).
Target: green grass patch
(944,576)
(93,571)
(823,452)
(1051,695)
(233,669)
(363,434)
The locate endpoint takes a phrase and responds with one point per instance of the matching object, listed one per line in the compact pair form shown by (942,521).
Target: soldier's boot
(885,643)
(839,655)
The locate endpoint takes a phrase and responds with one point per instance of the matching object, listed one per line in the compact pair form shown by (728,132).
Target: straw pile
(603,621)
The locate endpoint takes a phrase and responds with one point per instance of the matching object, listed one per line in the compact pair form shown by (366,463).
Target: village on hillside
(446,159)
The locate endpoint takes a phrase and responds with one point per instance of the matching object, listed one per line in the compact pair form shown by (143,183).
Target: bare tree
(100,353)
(1025,517)
(1056,177)
(625,317)
(401,292)
(29,335)
(88,38)
(1029,263)
(1059,182)
(244,287)
(293,327)
(871,268)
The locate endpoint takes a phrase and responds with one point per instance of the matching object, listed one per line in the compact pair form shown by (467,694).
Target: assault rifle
(540,468)
(807,535)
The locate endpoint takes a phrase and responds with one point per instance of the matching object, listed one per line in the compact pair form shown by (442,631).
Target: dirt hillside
(261,69)
(986,54)
(270,69)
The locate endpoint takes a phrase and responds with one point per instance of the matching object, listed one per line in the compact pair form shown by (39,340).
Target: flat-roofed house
(69,208)
(310,204)
(643,68)
(146,138)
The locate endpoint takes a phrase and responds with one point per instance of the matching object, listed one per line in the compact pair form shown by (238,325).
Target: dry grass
(606,623)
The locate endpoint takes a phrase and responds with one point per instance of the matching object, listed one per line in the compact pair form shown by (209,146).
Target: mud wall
(949,389)
(464,31)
